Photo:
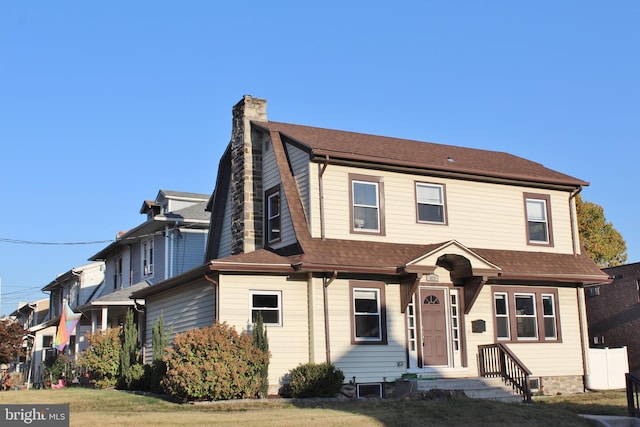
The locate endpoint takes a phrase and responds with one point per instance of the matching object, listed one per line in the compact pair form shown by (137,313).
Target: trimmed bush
(315,380)
(214,363)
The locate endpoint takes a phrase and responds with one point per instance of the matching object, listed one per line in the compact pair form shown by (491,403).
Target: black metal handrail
(496,360)
(633,393)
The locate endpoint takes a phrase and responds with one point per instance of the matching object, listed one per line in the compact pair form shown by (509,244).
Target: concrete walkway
(613,421)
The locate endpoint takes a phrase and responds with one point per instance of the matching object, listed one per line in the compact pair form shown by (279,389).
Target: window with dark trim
(367,204)
(526,315)
(267,303)
(538,216)
(368,316)
(117,274)
(273,223)
(430,203)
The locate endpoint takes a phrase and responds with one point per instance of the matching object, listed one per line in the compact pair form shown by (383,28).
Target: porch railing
(633,392)
(496,360)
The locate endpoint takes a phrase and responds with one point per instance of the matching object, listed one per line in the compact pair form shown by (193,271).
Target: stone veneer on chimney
(246,176)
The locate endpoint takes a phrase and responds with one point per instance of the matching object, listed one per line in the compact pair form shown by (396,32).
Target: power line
(30,242)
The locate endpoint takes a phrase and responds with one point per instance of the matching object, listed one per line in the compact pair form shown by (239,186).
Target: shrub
(56,367)
(102,358)
(261,341)
(214,363)
(315,380)
(135,378)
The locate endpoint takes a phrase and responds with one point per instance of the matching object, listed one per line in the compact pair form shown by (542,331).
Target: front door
(434,327)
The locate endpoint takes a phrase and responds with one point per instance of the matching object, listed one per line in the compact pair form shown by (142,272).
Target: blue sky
(102,104)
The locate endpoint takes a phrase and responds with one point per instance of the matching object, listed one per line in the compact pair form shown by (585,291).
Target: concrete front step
(475,388)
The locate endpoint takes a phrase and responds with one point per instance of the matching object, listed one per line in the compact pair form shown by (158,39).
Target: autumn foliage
(213,363)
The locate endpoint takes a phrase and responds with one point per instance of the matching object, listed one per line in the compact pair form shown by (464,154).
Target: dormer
(151,209)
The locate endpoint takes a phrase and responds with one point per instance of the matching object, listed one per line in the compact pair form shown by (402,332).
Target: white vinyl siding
(183,308)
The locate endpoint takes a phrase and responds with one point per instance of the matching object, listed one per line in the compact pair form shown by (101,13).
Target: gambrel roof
(397,152)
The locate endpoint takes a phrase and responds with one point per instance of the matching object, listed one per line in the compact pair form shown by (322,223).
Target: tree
(11,336)
(160,338)
(261,342)
(603,243)
(129,340)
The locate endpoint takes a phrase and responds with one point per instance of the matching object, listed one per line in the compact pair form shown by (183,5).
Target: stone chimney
(246,176)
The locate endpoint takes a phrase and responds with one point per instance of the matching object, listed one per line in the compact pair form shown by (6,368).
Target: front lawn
(111,407)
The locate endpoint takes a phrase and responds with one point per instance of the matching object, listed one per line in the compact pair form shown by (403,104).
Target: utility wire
(30,242)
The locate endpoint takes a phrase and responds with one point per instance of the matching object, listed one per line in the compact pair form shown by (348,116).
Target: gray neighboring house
(169,242)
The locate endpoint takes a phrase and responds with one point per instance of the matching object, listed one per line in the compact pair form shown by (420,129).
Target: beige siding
(300,166)
(271,178)
(543,359)
(367,363)
(289,343)
(188,307)
(479,214)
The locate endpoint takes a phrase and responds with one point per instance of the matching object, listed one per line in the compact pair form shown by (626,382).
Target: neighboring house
(386,256)
(75,287)
(171,241)
(32,317)
(613,312)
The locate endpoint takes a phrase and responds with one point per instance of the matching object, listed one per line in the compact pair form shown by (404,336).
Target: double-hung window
(273,222)
(117,274)
(368,318)
(147,257)
(366,204)
(538,212)
(268,304)
(523,314)
(430,203)
(525,307)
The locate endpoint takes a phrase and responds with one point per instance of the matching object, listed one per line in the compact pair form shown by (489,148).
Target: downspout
(575,234)
(584,336)
(320,174)
(216,286)
(325,294)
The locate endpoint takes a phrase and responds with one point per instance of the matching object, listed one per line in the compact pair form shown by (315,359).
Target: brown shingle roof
(389,258)
(415,154)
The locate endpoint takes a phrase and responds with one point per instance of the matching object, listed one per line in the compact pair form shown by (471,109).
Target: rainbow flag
(68,321)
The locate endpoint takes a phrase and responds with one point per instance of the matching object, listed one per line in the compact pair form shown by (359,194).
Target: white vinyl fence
(607,368)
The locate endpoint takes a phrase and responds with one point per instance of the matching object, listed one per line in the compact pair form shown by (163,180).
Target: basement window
(370,390)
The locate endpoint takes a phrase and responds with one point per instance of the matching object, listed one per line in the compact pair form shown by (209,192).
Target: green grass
(111,408)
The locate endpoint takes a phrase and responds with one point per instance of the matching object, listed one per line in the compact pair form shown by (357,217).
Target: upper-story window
(538,212)
(147,257)
(367,204)
(272,210)
(117,273)
(430,203)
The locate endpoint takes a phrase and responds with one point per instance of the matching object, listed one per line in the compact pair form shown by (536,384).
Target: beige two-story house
(389,258)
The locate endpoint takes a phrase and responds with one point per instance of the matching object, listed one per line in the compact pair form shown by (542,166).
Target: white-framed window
(526,320)
(147,257)
(538,215)
(267,303)
(526,314)
(549,316)
(367,204)
(430,203)
(501,306)
(273,222)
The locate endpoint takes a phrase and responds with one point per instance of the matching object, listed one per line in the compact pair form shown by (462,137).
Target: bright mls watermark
(35,415)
